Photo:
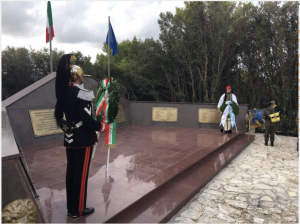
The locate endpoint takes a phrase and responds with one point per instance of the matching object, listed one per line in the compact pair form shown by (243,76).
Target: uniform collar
(77,85)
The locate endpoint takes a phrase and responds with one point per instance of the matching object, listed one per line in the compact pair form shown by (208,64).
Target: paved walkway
(259,186)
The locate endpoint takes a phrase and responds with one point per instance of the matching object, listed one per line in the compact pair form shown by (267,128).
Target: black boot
(229,131)
(266,143)
(272,143)
(222,130)
(88,211)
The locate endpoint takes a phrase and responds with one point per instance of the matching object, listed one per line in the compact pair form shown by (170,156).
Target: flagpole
(50,23)
(108,52)
(51,64)
(108,47)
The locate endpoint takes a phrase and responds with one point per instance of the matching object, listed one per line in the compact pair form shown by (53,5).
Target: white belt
(78,124)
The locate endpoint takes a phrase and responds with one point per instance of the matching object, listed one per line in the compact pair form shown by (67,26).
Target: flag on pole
(113,41)
(49,23)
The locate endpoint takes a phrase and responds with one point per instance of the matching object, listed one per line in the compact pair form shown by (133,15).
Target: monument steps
(203,166)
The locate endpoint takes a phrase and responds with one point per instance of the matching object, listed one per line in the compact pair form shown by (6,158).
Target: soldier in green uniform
(270,127)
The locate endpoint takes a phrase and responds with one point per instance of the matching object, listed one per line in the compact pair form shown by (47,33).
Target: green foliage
(22,67)
(234,106)
(201,49)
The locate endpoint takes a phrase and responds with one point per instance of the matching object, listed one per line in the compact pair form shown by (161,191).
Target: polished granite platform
(145,167)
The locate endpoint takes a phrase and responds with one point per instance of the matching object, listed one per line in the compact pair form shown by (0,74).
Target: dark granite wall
(41,95)
(187,115)
(18,113)
(40,98)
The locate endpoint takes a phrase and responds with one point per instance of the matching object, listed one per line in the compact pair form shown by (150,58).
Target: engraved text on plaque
(209,116)
(164,114)
(43,122)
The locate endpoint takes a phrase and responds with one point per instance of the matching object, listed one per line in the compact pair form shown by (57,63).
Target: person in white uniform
(224,98)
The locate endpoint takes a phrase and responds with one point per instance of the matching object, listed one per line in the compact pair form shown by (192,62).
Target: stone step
(160,204)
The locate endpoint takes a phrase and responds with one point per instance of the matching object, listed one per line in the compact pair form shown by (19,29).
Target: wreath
(235,108)
(114,98)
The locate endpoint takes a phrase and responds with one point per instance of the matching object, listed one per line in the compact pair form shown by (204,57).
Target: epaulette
(86,95)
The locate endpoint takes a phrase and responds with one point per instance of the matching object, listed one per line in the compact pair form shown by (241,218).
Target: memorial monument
(162,148)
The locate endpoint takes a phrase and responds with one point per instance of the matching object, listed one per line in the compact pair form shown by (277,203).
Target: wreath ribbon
(228,111)
(103,104)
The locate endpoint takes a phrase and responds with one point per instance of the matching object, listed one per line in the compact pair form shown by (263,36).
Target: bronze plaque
(209,116)
(121,115)
(164,114)
(43,122)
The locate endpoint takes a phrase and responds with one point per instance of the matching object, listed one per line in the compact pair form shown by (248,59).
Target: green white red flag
(49,23)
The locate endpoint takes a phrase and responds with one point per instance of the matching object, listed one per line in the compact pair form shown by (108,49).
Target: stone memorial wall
(189,115)
(30,111)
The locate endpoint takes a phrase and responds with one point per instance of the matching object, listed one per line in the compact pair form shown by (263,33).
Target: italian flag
(49,23)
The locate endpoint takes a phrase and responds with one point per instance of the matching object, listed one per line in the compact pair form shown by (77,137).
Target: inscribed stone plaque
(164,114)
(121,115)
(209,116)
(43,122)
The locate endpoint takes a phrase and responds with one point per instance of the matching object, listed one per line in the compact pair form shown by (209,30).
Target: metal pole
(108,52)
(107,162)
(95,146)
(51,65)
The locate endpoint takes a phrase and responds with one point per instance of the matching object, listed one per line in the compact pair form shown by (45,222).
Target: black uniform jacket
(78,107)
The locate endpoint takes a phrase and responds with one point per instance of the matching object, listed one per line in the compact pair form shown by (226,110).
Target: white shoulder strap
(86,95)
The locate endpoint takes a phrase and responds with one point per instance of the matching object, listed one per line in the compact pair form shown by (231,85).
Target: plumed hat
(66,71)
(61,85)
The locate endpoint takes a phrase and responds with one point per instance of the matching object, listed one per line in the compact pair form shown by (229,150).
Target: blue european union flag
(113,41)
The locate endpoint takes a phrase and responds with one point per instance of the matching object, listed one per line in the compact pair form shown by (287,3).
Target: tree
(201,49)
(22,67)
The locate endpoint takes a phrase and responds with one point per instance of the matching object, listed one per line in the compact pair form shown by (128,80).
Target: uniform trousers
(78,163)
(270,131)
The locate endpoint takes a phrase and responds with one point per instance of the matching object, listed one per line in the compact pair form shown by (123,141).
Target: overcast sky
(80,25)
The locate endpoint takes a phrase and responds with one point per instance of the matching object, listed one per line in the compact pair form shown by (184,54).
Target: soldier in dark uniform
(270,127)
(75,103)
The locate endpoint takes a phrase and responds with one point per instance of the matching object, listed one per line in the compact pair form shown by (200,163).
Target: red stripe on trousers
(83,178)
(86,169)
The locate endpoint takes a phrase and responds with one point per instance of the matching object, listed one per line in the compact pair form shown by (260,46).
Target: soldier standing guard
(270,127)
(80,128)
(225,97)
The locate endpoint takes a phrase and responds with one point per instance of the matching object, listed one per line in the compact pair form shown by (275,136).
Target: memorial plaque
(164,114)
(209,116)
(43,122)
(121,115)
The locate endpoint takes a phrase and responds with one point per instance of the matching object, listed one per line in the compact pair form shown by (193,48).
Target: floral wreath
(114,98)
(235,108)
